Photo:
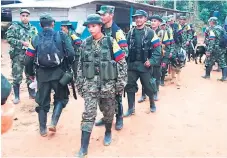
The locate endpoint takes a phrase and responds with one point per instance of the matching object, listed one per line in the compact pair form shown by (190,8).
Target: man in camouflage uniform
(214,51)
(193,43)
(66,27)
(185,33)
(144,54)
(18,36)
(166,38)
(102,73)
(111,29)
(50,70)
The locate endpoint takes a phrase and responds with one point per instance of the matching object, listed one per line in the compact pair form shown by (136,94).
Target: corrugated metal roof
(48,4)
(75,3)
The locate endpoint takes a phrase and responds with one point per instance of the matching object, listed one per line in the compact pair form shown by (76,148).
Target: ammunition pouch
(88,70)
(108,70)
(66,78)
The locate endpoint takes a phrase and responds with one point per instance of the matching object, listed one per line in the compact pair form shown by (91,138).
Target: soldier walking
(144,54)
(48,50)
(18,36)
(111,29)
(102,73)
(215,52)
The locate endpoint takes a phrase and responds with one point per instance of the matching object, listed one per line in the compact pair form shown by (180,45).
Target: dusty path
(190,121)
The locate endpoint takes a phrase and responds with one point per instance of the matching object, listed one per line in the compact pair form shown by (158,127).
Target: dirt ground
(190,121)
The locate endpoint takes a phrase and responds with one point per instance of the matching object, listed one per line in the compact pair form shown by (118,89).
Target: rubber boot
(224,75)
(162,79)
(31,92)
(152,105)
(55,116)
(16,89)
(207,74)
(119,116)
(108,135)
(42,123)
(85,138)
(143,97)
(131,104)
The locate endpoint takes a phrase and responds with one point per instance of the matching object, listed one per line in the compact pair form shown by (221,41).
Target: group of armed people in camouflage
(106,64)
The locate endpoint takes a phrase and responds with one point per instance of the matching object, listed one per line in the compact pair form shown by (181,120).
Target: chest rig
(97,59)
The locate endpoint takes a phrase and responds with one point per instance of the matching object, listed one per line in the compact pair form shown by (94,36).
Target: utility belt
(107,70)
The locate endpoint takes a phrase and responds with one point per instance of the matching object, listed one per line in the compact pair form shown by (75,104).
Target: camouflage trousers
(107,107)
(17,70)
(219,58)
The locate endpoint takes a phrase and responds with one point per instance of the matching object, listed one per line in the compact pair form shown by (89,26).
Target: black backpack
(48,49)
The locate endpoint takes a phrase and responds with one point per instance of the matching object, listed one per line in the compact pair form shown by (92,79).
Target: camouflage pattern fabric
(216,52)
(94,89)
(19,32)
(106,105)
(186,33)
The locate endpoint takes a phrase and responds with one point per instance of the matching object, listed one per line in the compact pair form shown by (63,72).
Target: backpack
(48,53)
(223,37)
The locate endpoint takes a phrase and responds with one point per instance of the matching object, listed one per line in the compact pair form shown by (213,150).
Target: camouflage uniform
(115,32)
(193,41)
(102,73)
(143,45)
(214,51)
(16,33)
(49,77)
(76,42)
(166,38)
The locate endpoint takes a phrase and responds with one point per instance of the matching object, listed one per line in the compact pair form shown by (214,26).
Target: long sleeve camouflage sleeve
(11,36)
(80,78)
(119,56)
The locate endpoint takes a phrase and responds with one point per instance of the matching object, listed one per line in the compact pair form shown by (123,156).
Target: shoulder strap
(110,45)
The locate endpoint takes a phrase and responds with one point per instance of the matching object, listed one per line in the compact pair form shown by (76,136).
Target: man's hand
(207,54)
(147,63)
(170,55)
(187,43)
(163,65)
(26,44)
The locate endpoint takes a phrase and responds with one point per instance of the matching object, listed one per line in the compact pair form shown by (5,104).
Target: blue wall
(57,27)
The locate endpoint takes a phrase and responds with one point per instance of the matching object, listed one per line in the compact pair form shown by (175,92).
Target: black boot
(152,105)
(108,135)
(42,123)
(224,75)
(131,104)
(31,92)
(207,75)
(85,138)
(16,89)
(163,78)
(119,116)
(55,116)
(143,97)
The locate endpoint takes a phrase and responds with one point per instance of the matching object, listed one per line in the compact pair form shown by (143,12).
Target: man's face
(140,20)
(94,29)
(182,21)
(163,27)
(106,18)
(155,23)
(211,23)
(170,22)
(64,29)
(24,18)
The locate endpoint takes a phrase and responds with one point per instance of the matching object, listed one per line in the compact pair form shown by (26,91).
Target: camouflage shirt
(18,32)
(186,33)
(214,40)
(95,52)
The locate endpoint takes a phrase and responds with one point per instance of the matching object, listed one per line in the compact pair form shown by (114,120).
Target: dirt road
(190,121)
